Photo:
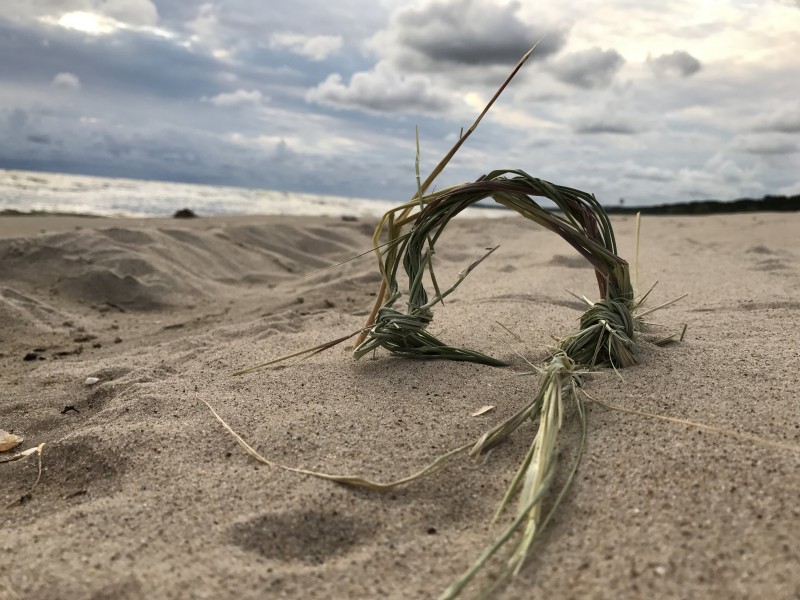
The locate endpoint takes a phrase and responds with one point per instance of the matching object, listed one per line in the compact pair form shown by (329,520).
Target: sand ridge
(144,495)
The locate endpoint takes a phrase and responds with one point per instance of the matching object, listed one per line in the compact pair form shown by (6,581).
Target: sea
(28,191)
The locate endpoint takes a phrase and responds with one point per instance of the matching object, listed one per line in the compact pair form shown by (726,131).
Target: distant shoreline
(13,212)
(699,207)
(714,207)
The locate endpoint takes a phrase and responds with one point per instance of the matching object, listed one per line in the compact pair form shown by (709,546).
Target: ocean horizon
(33,191)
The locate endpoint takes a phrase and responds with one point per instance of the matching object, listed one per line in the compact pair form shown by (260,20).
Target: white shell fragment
(91,380)
(9,441)
(482,410)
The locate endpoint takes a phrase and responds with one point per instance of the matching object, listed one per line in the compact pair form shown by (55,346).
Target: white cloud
(615,115)
(432,53)
(633,170)
(237,98)
(207,31)
(136,13)
(66,81)
(509,116)
(315,47)
(719,177)
(205,24)
(724,180)
(382,89)
(86,22)
(109,16)
(131,12)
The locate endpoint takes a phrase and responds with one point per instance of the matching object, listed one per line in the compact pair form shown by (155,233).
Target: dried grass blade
(747,437)
(308,351)
(673,338)
(352,480)
(644,313)
(423,188)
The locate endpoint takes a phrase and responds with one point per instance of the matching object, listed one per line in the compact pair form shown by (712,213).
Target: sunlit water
(57,192)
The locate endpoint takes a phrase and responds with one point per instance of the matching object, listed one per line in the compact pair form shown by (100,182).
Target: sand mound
(137,270)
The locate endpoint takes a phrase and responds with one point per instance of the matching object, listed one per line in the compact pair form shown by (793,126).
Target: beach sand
(143,494)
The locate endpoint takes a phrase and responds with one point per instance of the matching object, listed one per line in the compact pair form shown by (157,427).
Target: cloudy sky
(645,100)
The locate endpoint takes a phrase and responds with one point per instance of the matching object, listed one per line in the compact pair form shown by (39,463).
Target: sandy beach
(143,494)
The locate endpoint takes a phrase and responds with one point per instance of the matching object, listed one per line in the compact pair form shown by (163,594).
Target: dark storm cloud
(587,69)
(39,138)
(17,121)
(608,125)
(767,144)
(113,145)
(123,61)
(679,63)
(21,129)
(428,53)
(143,150)
(783,120)
(469,32)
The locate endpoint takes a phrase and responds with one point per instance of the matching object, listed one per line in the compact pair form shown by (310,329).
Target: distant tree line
(708,207)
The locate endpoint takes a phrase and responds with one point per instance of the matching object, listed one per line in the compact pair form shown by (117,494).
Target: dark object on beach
(349,218)
(30,356)
(184,213)
(84,337)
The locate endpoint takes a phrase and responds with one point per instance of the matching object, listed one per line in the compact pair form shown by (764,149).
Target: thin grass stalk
(422,188)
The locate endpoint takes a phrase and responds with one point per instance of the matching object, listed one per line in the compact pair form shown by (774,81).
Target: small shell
(482,410)
(91,380)
(9,441)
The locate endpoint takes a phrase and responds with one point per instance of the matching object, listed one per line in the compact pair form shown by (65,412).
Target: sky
(647,101)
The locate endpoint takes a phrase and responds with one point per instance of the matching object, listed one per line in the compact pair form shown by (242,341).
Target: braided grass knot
(605,338)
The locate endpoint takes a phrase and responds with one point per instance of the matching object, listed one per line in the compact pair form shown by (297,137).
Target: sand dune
(144,495)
